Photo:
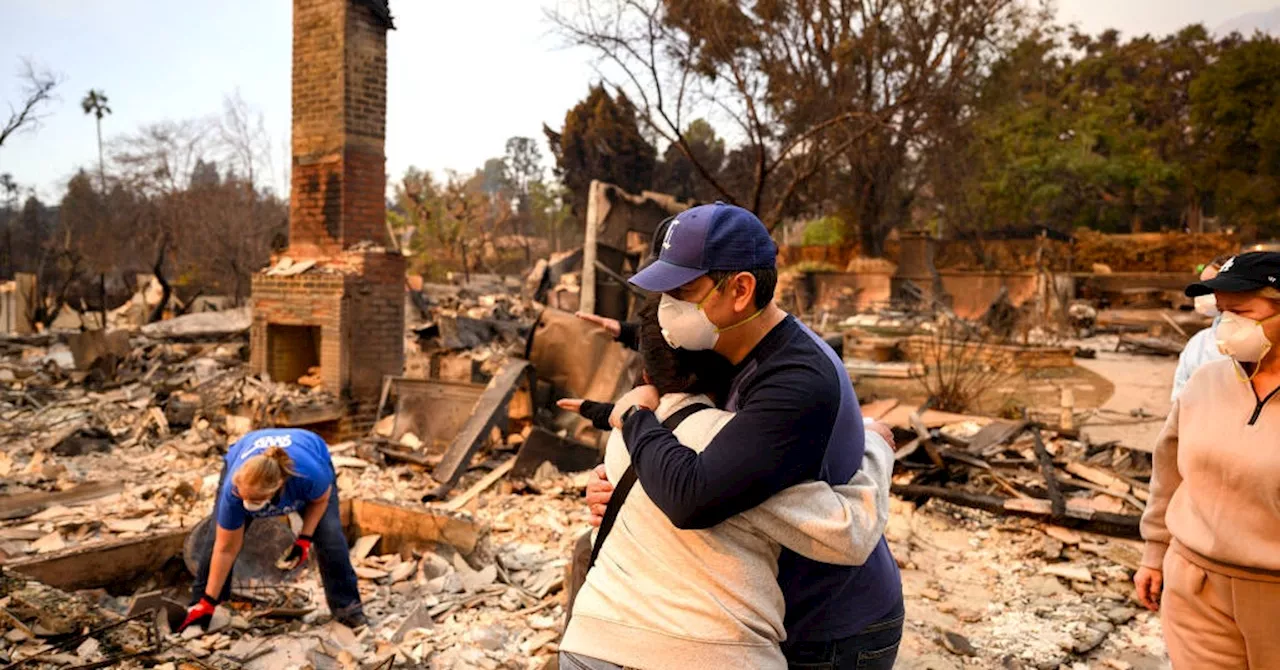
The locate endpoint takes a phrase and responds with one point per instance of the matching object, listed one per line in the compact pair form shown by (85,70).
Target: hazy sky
(463,76)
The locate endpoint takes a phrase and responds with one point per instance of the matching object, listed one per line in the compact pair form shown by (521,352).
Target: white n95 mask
(1207,305)
(1241,338)
(685,326)
(255,507)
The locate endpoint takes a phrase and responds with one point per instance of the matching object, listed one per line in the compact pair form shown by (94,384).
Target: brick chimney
(915,267)
(345,313)
(339,125)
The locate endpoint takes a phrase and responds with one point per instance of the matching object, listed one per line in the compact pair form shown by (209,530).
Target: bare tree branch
(37,92)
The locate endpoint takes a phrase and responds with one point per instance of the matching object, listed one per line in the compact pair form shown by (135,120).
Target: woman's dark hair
(678,370)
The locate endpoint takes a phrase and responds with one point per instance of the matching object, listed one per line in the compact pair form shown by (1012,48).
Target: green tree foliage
(454,225)
(677,173)
(1236,109)
(550,215)
(601,139)
(1074,131)
(834,99)
(417,217)
(496,177)
(825,232)
(523,163)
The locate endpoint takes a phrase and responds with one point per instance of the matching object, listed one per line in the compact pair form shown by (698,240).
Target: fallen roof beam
(404,526)
(490,410)
(543,446)
(99,565)
(1119,525)
(24,505)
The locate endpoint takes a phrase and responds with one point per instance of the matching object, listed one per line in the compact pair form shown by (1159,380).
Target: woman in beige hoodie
(1212,525)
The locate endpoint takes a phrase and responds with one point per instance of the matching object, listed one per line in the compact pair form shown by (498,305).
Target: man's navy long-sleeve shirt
(797,419)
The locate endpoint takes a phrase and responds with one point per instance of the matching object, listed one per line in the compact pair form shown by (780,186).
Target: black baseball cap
(1241,274)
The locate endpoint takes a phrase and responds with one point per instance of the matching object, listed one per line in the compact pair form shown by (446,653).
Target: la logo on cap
(666,241)
(1228,265)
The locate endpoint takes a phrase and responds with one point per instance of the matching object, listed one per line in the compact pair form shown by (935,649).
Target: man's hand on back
(599,491)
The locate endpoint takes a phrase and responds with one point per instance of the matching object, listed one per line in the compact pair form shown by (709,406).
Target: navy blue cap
(1242,274)
(708,238)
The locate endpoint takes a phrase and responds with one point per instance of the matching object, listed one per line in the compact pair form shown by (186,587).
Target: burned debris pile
(123,457)
(1021,468)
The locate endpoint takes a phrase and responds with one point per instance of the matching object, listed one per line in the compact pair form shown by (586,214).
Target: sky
(462,76)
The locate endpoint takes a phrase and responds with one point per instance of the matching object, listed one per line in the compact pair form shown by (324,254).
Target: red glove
(297,554)
(199,614)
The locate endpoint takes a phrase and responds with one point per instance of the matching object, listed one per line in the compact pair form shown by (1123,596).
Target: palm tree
(95,102)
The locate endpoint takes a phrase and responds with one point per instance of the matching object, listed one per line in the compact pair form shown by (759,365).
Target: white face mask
(255,507)
(685,326)
(1241,338)
(1207,305)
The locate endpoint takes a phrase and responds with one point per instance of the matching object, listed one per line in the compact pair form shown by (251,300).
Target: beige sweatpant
(1212,620)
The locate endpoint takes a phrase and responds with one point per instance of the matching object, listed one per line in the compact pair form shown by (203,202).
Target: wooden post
(587,298)
(1059,503)
(1067,419)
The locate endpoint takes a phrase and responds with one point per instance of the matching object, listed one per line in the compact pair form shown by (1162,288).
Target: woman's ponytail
(265,471)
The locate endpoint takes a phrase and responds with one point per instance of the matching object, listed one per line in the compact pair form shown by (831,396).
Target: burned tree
(37,92)
(834,100)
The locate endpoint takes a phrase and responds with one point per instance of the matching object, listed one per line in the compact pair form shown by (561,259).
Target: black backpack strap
(683,413)
(628,480)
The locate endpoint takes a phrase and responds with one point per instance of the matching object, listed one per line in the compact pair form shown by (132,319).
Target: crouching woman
(272,473)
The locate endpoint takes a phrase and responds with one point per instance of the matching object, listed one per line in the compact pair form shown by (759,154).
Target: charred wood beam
(490,410)
(926,440)
(1118,525)
(1049,473)
(542,446)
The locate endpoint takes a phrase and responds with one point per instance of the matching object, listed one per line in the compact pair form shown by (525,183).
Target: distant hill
(1246,24)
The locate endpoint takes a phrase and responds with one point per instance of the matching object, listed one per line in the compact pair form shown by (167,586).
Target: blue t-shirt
(312,468)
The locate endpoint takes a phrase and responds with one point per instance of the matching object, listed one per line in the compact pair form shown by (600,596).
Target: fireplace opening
(292,351)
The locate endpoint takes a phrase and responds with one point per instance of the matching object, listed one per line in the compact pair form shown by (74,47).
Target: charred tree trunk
(166,290)
(102,297)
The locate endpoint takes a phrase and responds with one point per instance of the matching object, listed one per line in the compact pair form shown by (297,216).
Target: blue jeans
(341,589)
(875,648)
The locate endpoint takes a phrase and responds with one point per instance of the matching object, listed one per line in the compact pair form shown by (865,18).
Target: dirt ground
(989,580)
(1032,389)
(1142,387)
(1118,396)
